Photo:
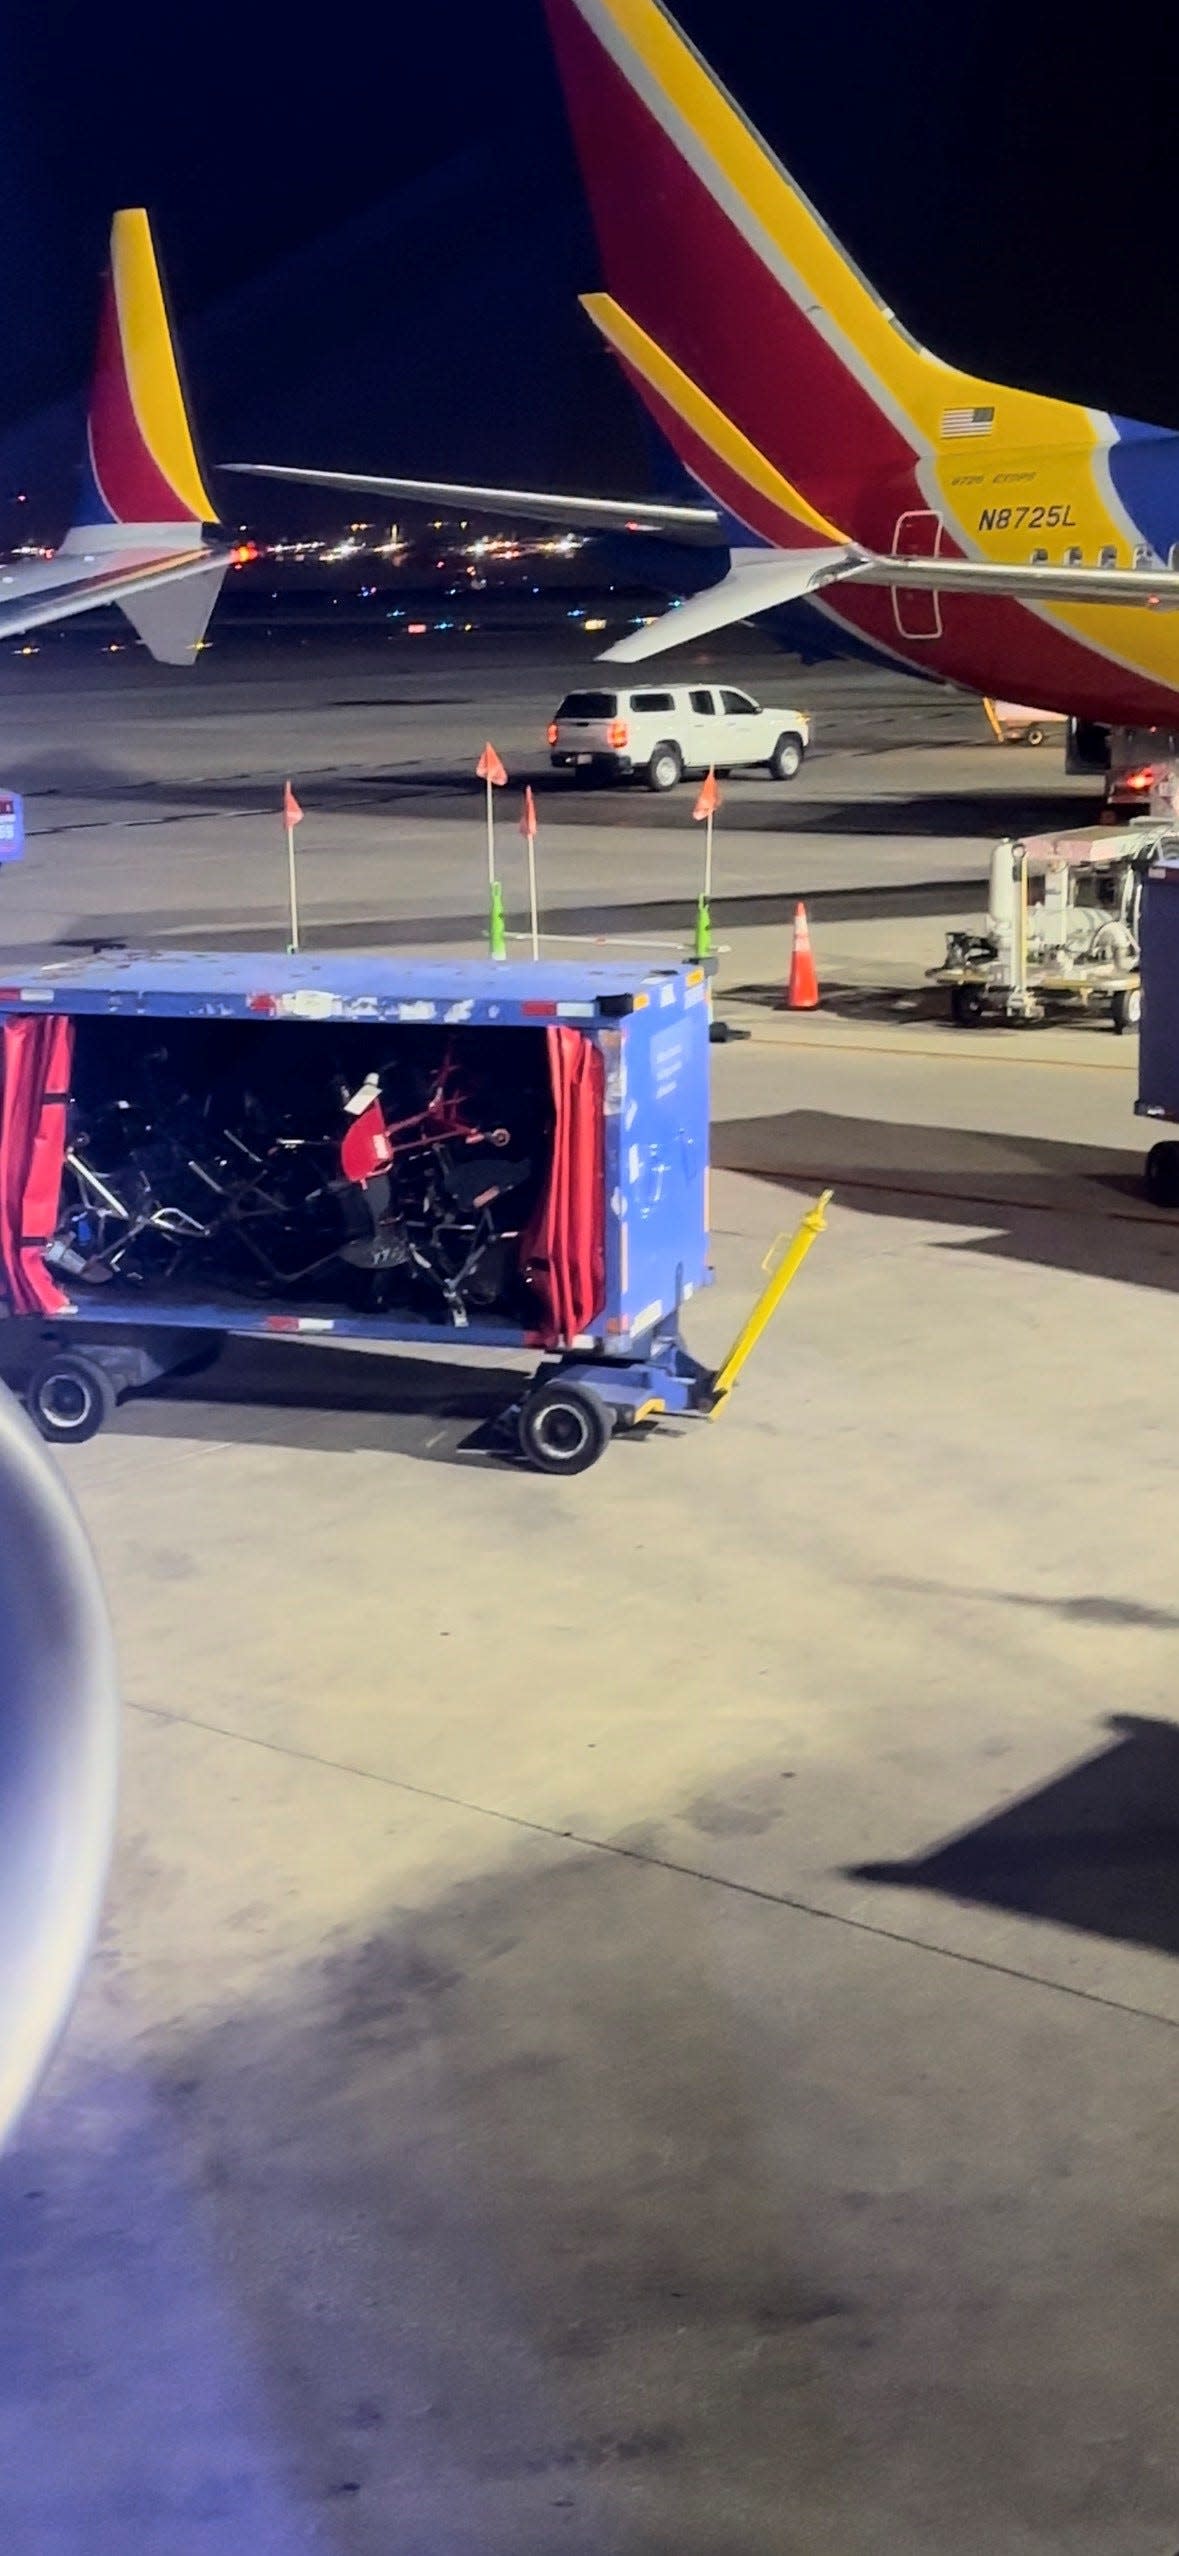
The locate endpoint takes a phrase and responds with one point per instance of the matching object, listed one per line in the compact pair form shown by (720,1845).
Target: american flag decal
(967,421)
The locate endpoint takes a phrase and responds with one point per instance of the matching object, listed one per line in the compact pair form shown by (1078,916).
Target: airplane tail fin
(712,252)
(141,487)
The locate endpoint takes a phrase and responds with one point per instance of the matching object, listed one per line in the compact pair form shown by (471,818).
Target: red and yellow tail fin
(713,253)
(142,469)
(741,479)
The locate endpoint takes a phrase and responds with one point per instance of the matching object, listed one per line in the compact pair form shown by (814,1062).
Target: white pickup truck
(660,733)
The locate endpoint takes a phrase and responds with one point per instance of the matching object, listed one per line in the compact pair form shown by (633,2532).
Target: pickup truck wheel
(786,758)
(665,767)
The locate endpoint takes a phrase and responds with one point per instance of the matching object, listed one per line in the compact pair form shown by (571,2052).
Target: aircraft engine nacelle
(59,1725)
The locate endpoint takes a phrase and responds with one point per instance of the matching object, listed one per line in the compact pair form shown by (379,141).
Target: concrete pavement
(639,2015)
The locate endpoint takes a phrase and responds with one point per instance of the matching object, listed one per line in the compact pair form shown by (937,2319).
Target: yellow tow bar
(781,1277)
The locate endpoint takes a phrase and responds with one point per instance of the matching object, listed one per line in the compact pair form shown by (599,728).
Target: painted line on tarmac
(666,1864)
(132,825)
(607,941)
(940,1055)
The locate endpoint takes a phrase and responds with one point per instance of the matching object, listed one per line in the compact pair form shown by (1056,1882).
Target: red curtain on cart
(35,1058)
(564,1248)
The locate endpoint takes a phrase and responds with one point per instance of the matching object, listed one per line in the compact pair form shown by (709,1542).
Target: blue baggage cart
(619,1227)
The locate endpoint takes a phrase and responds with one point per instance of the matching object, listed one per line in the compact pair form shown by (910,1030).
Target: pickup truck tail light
(618,734)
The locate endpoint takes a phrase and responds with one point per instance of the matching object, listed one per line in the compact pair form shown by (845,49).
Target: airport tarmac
(152,796)
(636,2015)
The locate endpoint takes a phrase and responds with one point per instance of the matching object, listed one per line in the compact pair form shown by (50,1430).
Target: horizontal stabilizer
(127,578)
(759,581)
(1143,589)
(762,580)
(583,514)
(172,618)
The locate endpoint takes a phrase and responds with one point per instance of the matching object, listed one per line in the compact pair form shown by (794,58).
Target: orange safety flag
(489,767)
(292,813)
(710,797)
(528,814)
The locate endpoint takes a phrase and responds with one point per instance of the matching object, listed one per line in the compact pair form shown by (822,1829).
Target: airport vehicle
(1158,1049)
(1015,723)
(663,732)
(137,539)
(1142,776)
(861,493)
(1062,929)
(487,1155)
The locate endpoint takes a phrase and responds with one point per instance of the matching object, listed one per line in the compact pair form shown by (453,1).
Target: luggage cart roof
(345,986)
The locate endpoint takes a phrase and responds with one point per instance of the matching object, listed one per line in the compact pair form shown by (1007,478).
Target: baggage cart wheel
(1162,1175)
(69,1397)
(966,1006)
(563,1428)
(1125,1009)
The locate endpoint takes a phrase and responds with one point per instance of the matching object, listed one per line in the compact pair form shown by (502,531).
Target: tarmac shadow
(899,1004)
(464,2239)
(1061,1205)
(605,918)
(303,1394)
(348,790)
(580,2208)
(950,814)
(1097,1849)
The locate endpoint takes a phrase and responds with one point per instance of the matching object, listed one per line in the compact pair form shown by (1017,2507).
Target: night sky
(374,240)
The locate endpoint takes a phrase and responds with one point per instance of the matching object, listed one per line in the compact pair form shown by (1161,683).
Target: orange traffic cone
(802,989)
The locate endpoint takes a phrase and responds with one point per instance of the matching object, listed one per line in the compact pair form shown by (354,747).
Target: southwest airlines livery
(137,540)
(992,538)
